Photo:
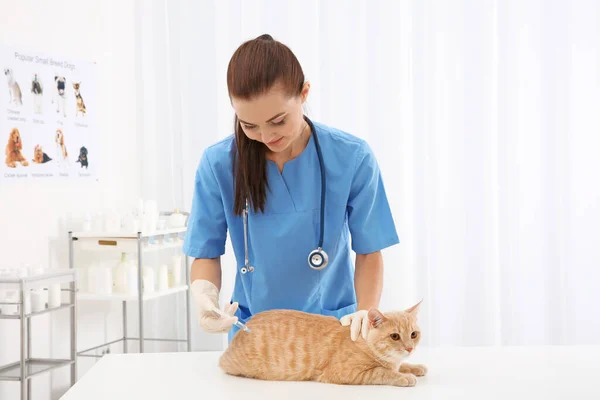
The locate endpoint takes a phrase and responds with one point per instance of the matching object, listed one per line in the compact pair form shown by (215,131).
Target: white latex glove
(359,323)
(206,296)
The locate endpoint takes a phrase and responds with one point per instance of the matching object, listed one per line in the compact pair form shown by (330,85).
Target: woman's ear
(305,90)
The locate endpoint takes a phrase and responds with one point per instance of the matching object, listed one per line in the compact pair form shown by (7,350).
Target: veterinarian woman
(312,190)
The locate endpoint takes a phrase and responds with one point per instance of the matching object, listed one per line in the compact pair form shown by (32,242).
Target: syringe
(225,315)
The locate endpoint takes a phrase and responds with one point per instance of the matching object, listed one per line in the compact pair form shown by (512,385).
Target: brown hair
(253,69)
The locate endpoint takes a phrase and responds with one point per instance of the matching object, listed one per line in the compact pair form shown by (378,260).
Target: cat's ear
(414,309)
(376,318)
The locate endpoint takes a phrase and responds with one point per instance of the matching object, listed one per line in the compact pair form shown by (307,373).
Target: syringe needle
(225,315)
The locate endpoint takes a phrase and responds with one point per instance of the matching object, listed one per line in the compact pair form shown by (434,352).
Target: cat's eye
(414,335)
(395,336)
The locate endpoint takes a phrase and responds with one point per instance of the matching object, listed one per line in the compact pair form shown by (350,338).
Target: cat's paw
(407,380)
(418,370)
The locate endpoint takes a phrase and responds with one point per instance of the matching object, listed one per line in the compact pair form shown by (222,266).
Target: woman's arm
(368,280)
(368,283)
(208,269)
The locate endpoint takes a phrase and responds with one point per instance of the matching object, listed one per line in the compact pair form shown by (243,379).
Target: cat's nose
(409,349)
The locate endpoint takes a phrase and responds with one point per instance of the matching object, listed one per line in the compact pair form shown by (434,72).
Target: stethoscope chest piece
(317,259)
(249,268)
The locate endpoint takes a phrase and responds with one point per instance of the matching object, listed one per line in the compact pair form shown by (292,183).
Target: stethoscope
(317,259)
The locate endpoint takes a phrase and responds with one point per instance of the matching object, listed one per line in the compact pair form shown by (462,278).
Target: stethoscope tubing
(319,251)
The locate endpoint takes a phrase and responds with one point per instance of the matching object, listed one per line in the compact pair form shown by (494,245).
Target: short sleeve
(370,220)
(207,226)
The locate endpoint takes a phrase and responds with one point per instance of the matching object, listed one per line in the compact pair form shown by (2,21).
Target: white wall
(486,143)
(102,31)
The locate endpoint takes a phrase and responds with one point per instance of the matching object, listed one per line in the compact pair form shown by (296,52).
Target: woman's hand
(206,281)
(368,283)
(359,323)
(206,296)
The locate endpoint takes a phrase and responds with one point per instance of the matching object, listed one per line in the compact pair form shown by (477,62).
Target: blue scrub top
(357,217)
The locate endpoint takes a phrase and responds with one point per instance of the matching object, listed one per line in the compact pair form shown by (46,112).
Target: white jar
(27,302)
(132,278)
(176,220)
(120,278)
(176,268)
(149,281)
(163,278)
(37,300)
(103,280)
(54,295)
(11,296)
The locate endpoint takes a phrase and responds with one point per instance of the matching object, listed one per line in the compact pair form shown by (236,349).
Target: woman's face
(272,118)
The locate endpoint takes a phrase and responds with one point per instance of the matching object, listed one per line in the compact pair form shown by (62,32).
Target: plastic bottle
(121,274)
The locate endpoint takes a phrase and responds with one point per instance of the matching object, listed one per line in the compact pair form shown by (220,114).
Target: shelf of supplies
(127,245)
(130,297)
(127,235)
(33,314)
(33,366)
(162,246)
(41,280)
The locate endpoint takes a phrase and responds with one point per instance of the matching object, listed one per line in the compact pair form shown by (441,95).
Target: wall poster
(47,117)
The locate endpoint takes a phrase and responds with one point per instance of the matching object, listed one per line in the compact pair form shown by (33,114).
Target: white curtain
(484,116)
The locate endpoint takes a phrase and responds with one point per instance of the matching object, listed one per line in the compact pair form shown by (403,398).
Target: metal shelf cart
(139,243)
(22,371)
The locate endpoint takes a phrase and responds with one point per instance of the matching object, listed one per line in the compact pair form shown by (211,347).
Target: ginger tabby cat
(287,345)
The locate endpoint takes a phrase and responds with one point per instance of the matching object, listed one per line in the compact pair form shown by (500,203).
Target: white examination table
(545,373)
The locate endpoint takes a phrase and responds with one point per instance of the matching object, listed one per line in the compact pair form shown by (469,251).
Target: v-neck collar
(298,157)
(279,181)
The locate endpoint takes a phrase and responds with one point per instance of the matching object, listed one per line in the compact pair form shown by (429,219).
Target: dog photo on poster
(47,114)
